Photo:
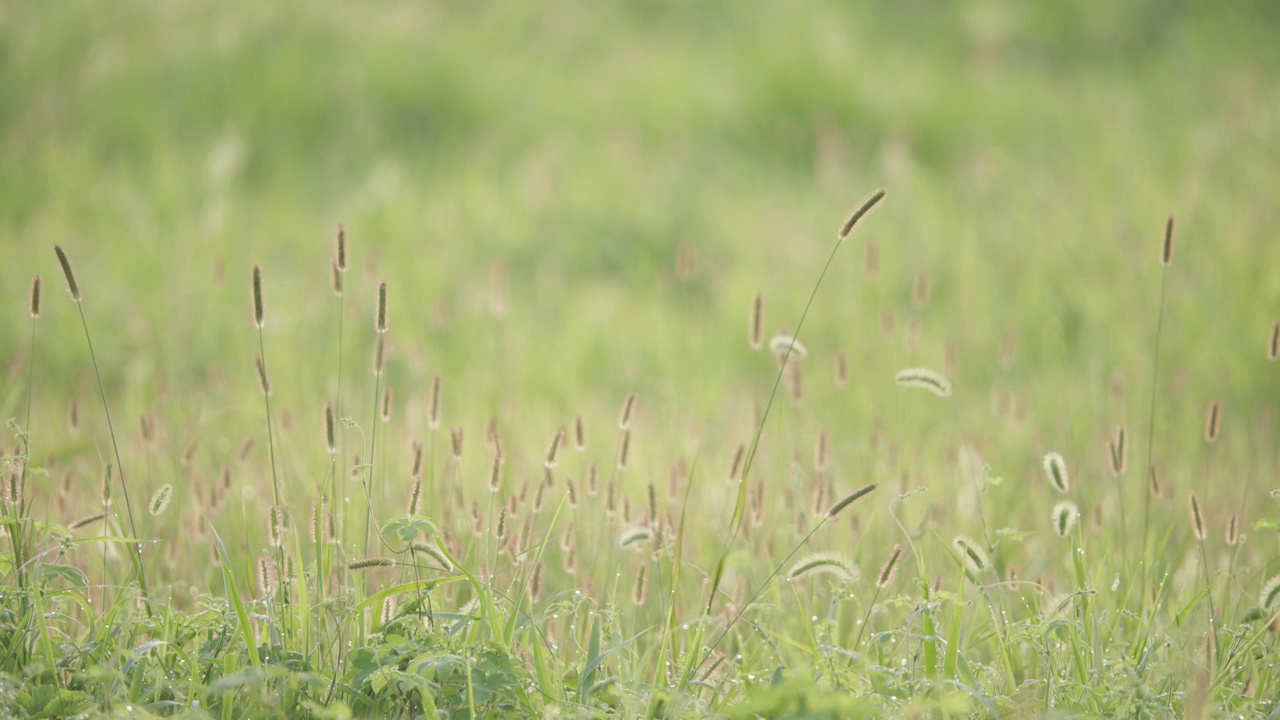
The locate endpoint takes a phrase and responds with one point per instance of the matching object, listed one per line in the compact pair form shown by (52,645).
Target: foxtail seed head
(829,563)
(975,558)
(380,319)
(1213,422)
(437,398)
(579,434)
(851,498)
(72,287)
(860,212)
(628,407)
(369,563)
(550,460)
(160,499)
(1166,250)
(1273,349)
(1269,598)
(924,379)
(1055,468)
(1197,518)
(330,430)
(35,297)
(340,249)
(1065,514)
(259,307)
(755,328)
(889,568)
(386,406)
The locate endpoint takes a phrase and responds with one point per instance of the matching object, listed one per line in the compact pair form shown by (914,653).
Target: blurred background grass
(1032,153)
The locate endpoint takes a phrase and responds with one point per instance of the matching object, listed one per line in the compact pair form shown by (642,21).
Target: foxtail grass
(135,546)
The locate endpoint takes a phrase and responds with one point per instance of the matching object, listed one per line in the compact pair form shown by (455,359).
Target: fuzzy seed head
(340,249)
(370,563)
(1166,250)
(259,307)
(106,484)
(975,558)
(1269,598)
(628,407)
(1197,518)
(380,318)
(842,369)
(72,287)
(550,461)
(386,405)
(415,496)
(330,430)
(889,568)
(275,526)
(851,498)
(88,520)
(35,297)
(1233,530)
(1064,515)
(785,345)
(822,452)
(840,566)
(921,290)
(640,592)
(634,537)
(859,212)
(435,403)
(579,434)
(1212,422)
(455,443)
(755,326)
(1055,468)
(1118,451)
(924,379)
(624,449)
(1273,348)
(495,473)
(160,499)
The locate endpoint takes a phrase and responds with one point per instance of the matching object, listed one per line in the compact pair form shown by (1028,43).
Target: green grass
(627,176)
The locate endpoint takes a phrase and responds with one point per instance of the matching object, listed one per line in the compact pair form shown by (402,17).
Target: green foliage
(569,202)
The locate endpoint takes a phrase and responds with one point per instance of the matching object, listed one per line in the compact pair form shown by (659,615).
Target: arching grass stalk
(259,320)
(740,506)
(1166,259)
(835,510)
(135,547)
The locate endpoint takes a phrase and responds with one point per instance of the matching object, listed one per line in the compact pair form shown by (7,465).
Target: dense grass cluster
(502,445)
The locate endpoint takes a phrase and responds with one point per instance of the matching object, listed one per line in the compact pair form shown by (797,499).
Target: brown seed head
(330,430)
(35,297)
(1197,519)
(340,249)
(67,274)
(1212,422)
(380,319)
(1166,250)
(437,398)
(259,308)
(860,212)
(755,328)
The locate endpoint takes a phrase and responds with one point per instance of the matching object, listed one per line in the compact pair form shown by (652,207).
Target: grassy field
(575,489)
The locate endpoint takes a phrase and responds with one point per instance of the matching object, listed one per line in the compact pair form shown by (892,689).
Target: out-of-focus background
(626,176)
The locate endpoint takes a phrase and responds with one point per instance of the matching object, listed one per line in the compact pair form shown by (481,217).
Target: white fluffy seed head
(924,379)
(1055,468)
(1065,515)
